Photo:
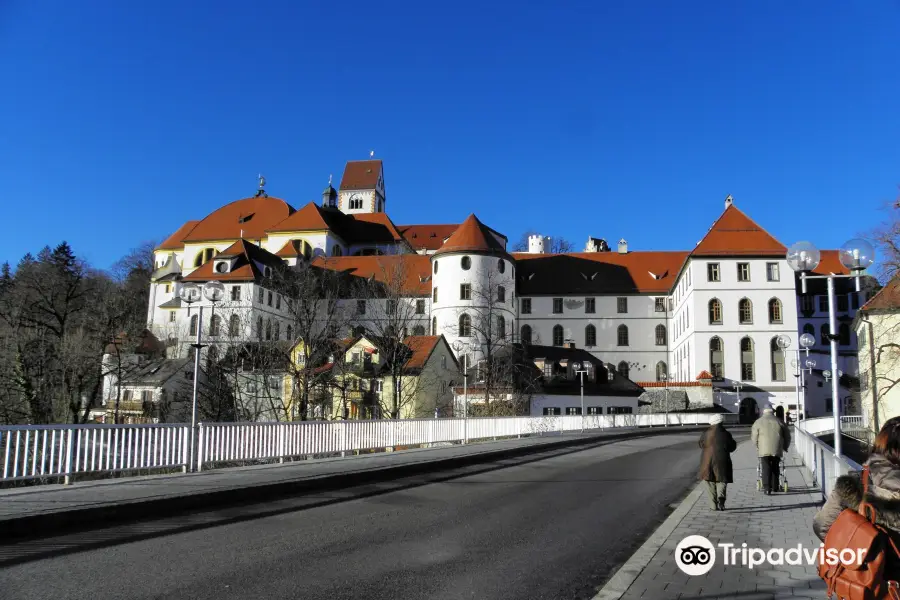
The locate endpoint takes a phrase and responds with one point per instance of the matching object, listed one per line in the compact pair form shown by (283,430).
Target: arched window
(466,263)
(590,336)
(204,255)
(434,326)
(623,335)
(212,358)
(747,359)
(501,327)
(623,369)
(526,334)
(259,328)
(501,293)
(745,311)
(844,334)
(419,330)
(777,360)
(558,337)
(215,325)
(661,371)
(276,333)
(715,312)
(825,330)
(660,335)
(774,310)
(234,326)
(810,329)
(193,328)
(268,329)
(465,325)
(290,334)
(716,358)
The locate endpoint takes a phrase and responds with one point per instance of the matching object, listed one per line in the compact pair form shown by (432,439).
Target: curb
(79,519)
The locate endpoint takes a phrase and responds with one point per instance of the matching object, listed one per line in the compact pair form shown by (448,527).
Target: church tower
(362,187)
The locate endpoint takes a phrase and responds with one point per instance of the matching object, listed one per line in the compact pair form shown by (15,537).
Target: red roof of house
(597,272)
(308,218)
(473,236)
(422,346)
(374,228)
(736,234)
(245,267)
(704,375)
(249,218)
(887,298)
(176,240)
(830,262)
(427,237)
(361,174)
(413,270)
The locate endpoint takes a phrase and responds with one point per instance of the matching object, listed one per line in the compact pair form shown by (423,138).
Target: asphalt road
(554,525)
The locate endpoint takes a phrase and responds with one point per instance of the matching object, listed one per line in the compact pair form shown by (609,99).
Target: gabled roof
(365,228)
(473,236)
(155,372)
(597,272)
(887,298)
(249,218)
(736,234)
(291,249)
(427,237)
(361,175)
(704,375)
(311,217)
(176,240)
(246,266)
(415,269)
(421,347)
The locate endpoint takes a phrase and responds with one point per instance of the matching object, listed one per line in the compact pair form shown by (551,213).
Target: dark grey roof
(156,372)
(175,302)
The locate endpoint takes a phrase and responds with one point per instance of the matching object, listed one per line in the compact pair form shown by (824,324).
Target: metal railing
(45,453)
(852,426)
(819,457)
(52,451)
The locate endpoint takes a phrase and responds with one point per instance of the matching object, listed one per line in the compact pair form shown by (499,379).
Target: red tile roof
(421,346)
(245,266)
(366,228)
(292,249)
(736,234)
(704,375)
(413,269)
(308,218)
(176,240)
(830,262)
(887,298)
(376,219)
(426,237)
(473,236)
(252,216)
(361,175)
(597,272)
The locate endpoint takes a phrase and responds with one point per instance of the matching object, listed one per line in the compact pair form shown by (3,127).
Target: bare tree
(558,245)
(886,238)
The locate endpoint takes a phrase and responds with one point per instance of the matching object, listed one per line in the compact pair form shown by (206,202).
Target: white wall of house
(567,402)
(879,360)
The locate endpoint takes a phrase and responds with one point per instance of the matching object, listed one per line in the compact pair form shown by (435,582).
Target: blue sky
(122,120)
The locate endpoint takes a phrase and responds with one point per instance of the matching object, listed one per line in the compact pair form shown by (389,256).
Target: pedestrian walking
(715,461)
(771,438)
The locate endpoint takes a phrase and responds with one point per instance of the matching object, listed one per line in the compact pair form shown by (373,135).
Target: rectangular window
(551,410)
(526,306)
(391,306)
(360,307)
(743,271)
(712,272)
(573,410)
(854,300)
(235,293)
(278,302)
(269,299)
(168,287)
(557,306)
(807,306)
(843,303)
(622,305)
(823,304)
(171,316)
(772,271)
(465,291)
(590,305)
(660,305)
(261,296)
(595,410)
(501,294)
(420,307)
(434,296)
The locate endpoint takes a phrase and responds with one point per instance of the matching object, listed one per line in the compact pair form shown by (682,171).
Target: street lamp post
(800,368)
(581,370)
(213,291)
(665,378)
(459,346)
(856,255)
(737,388)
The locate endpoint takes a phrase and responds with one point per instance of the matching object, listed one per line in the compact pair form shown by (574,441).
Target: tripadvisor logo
(696,555)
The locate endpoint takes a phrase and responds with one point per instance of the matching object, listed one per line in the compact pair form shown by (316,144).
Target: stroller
(783,485)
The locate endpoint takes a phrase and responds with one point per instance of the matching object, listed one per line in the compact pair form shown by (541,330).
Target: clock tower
(362,187)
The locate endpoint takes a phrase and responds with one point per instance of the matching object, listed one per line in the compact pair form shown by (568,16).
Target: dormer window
(222,266)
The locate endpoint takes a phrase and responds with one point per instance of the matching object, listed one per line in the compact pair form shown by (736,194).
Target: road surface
(554,525)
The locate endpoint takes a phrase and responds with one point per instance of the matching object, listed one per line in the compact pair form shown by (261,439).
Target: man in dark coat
(715,462)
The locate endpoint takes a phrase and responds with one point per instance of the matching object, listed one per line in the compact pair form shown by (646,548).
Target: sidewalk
(781,520)
(48,509)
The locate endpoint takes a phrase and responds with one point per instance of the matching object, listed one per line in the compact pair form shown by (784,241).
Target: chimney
(536,244)
(728,201)
(623,246)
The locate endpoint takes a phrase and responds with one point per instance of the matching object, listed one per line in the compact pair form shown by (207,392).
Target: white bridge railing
(50,452)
